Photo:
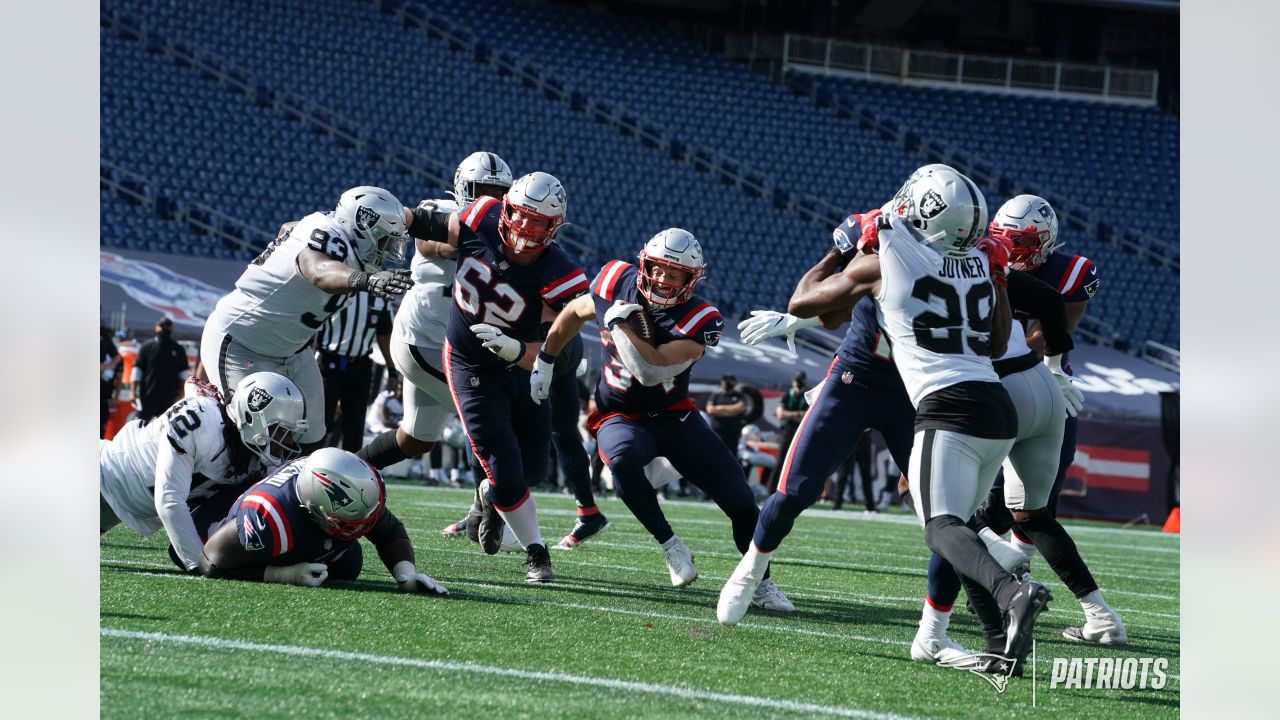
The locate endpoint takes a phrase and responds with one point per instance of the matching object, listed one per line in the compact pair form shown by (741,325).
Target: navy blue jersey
(275,528)
(488,288)
(1075,276)
(865,350)
(694,319)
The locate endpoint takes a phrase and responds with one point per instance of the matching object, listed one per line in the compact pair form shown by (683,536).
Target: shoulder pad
(700,321)
(606,283)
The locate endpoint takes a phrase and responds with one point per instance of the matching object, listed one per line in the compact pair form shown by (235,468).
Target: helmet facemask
(527,240)
(676,292)
(1029,246)
(275,443)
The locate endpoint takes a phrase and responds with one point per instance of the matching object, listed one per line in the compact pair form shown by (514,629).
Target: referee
(345,341)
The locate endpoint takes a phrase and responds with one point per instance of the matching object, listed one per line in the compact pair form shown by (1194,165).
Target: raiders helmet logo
(259,399)
(931,205)
(338,497)
(366,218)
(711,338)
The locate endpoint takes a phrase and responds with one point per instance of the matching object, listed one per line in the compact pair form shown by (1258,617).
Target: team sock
(523,521)
(383,451)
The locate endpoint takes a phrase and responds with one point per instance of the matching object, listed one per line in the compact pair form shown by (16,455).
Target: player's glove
(507,348)
(540,380)
(303,573)
(620,311)
(997,250)
(386,284)
(764,324)
(1071,393)
(408,579)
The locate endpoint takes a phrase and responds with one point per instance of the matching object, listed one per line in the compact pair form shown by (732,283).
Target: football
(640,323)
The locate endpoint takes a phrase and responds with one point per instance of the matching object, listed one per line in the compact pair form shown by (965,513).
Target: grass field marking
(449,666)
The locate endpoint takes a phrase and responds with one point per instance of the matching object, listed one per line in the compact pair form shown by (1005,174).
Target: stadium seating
(410,90)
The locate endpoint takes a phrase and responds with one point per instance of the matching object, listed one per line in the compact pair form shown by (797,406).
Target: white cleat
(680,563)
(1104,628)
(739,590)
(769,597)
(941,651)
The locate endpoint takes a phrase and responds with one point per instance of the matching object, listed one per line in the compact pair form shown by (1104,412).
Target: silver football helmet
(946,208)
(1030,225)
(541,202)
(343,493)
(901,196)
(267,408)
(671,249)
(374,222)
(480,168)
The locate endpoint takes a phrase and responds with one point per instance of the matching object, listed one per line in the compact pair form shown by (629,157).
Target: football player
(301,525)
(642,398)
(304,276)
(150,471)
(508,269)
(936,302)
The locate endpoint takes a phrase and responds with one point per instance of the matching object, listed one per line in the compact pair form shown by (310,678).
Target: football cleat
(739,590)
(585,528)
(537,562)
(769,597)
(1103,628)
(489,529)
(680,563)
(942,651)
(1020,615)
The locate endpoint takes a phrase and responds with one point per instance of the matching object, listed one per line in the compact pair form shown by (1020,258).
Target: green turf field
(610,638)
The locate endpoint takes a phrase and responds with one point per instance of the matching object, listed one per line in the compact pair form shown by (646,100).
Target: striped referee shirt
(351,330)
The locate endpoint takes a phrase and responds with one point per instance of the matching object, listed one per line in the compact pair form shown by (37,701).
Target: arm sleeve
(173,485)
(430,224)
(647,374)
(1029,295)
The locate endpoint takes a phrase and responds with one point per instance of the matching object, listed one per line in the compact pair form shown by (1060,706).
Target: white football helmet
(343,493)
(267,408)
(480,168)
(1030,225)
(945,207)
(900,196)
(374,222)
(540,198)
(672,249)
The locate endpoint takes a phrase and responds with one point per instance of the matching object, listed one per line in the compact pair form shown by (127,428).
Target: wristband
(544,357)
(358,280)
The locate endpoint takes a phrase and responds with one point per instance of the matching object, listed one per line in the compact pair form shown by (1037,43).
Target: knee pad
(938,527)
(994,514)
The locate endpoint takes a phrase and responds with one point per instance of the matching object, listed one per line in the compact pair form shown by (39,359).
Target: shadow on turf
(131,616)
(148,570)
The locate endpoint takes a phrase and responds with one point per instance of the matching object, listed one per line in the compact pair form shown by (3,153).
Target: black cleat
(489,529)
(584,528)
(1020,615)
(538,562)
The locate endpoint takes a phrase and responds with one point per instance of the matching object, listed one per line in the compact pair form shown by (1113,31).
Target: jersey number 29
(975,314)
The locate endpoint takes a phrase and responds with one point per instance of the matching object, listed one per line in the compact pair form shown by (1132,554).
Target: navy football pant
(509,434)
(694,450)
(826,438)
(565,407)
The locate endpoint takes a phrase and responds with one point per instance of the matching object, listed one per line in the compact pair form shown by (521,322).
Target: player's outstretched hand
(408,579)
(386,284)
(1070,393)
(620,311)
(496,342)
(303,573)
(540,379)
(997,250)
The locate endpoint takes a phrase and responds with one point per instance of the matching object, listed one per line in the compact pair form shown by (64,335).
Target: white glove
(540,380)
(507,348)
(408,579)
(763,324)
(1071,393)
(620,311)
(303,573)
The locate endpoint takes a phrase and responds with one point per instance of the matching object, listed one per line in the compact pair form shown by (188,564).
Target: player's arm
(225,558)
(653,365)
(1028,294)
(1075,311)
(391,540)
(568,322)
(427,223)
(825,290)
(1001,323)
(174,468)
(715,409)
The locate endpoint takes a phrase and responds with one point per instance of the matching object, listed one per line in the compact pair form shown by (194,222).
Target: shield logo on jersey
(338,496)
(475,381)
(1092,287)
(931,205)
(259,399)
(252,534)
(366,218)
(711,338)
(846,377)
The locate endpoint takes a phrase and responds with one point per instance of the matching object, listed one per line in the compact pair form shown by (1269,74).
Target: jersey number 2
(467,295)
(975,314)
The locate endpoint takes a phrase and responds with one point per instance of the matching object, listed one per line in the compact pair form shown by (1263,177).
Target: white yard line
(477,669)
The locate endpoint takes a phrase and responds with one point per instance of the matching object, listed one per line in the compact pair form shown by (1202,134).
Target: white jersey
(274,310)
(936,311)
(147,470)
(424,310)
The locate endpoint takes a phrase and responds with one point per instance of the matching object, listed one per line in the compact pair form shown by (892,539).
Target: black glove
(386,284)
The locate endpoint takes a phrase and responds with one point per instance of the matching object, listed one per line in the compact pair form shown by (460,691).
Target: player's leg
(355,402)
(332,378)
(573,457)
(304,371)
(427,404)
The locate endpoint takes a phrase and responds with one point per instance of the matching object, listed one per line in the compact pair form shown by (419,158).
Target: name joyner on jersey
(965,267)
